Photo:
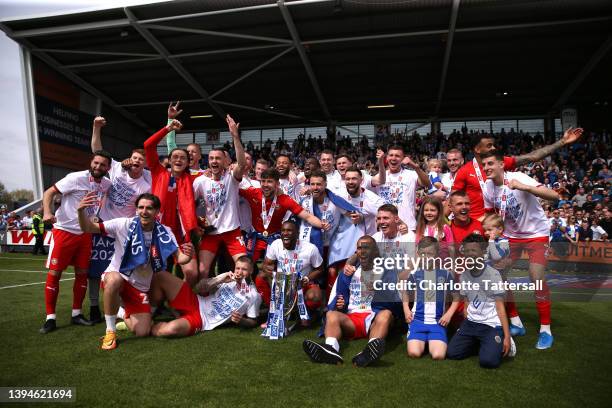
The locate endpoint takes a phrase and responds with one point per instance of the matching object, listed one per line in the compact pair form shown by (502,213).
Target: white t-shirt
(73,188)
(481,308)
(118,229)
(525,217)
(447,180)
(334,182)
(400,190)
(368,204)
(288,187)
(216,308)
(400,244)
(303,259)
(245,216)
(366,182)
(598,232)
(124,190)
(361,294)
(221,201)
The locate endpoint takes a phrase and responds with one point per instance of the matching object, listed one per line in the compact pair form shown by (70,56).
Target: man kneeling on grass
(485,330)
(142,246)
(356,318)
(230,297)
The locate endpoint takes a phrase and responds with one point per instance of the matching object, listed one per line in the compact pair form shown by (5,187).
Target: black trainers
(372,352)
(81,321)
(94,315)
(322,353)
(49,326)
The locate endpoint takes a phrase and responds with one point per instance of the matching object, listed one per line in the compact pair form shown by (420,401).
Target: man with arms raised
(142,246)
(352,315)
(470,176)
(129,179)
(194,150)
(401,185)
(174,189)
(219,194)
(69,245)
(514,196)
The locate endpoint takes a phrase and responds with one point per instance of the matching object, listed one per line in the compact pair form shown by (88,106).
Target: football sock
(120,313)
(94,291)
(51,293)
(110,322)
(79,289)
(543,304)
(263,287)
(511,306)
(516,321)
(545,328)
(332,341)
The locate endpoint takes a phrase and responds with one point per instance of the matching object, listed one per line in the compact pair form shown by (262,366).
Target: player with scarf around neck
(142,246)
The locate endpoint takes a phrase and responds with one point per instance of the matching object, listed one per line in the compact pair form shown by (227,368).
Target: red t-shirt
(284,203)
(460,232)
(466,179)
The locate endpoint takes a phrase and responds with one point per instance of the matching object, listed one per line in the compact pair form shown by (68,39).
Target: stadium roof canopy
(312,61)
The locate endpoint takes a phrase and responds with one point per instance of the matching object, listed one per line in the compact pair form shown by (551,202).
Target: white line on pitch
(30,284)
(24,259)
(30,271)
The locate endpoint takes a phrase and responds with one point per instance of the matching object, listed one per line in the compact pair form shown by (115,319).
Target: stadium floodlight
(380,106)
(200,116)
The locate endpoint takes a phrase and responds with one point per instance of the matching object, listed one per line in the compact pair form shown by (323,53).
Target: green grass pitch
(238,368)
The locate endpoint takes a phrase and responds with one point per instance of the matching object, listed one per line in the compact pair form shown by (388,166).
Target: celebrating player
(514,196)
(470,176)
(129,179)
(352,315)
(219,194)
(366,201)
(142,246)
(401,185)
(174,190)
(267,210)
(69,245)
(288,255)
(228,297)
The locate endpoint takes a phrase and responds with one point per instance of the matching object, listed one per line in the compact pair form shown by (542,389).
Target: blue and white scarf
(136,253)
(315,235)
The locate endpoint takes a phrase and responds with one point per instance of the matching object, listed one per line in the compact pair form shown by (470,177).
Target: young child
(486,327)
(434,168)
(431,223)
(498,255)
(428,319)
(499,246)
